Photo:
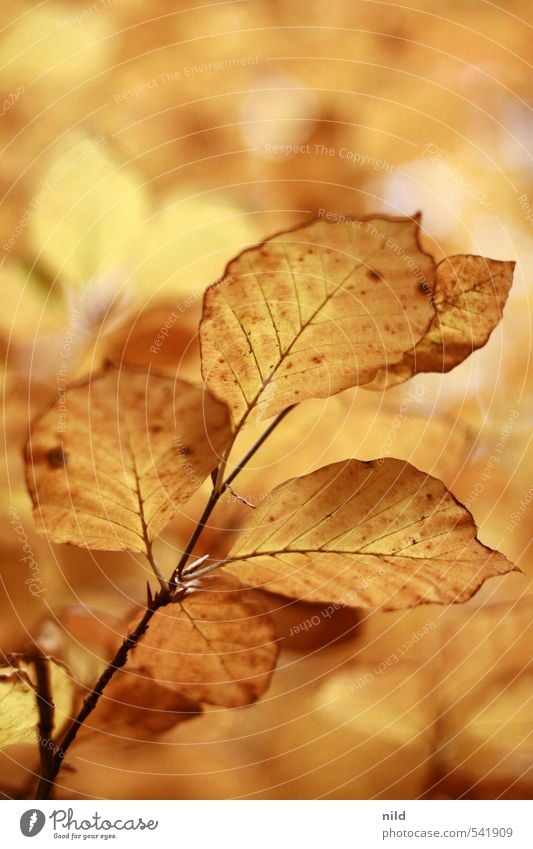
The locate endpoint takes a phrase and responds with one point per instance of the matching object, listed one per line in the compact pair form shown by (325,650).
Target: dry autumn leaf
(470,293)
(20,696)
(313,311)
(135,703)
(365,534)
(115,456)
(86,638)
(216,646)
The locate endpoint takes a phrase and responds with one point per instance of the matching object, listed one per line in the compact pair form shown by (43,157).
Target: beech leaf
(216,646)
(313,311)
(134,703)
(364,534)
(112,460)
(19,699)
(470,293)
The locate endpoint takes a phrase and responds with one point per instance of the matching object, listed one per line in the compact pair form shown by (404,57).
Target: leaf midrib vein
(359,264)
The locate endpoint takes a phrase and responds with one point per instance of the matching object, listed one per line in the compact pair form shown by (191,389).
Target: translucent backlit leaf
(115,457)
(365,534)
(216,646)
(313,311)
(135,705)
(470,293)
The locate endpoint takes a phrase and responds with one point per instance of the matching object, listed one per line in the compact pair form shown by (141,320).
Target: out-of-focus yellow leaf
(29,309)
(55,45)
(185,245)
(35,328)
(92,223)
(88,208)
(470,293)
(365,534)
(20,696)
(216,646)
(111,462)
(313,311)
(19,715)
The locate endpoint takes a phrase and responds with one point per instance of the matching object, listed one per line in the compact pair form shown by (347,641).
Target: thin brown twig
(165,596)
(47,781)
(217,493)
(46,709)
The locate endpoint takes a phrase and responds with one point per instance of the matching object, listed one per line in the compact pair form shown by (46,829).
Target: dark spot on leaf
(318,358)
(373,275)
(184,450)
(56,457)
(156,429)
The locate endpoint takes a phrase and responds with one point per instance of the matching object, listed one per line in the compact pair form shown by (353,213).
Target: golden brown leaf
(134,704)
(470,293)
(113,459)
(313,311)
(365,534)
(216,646)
